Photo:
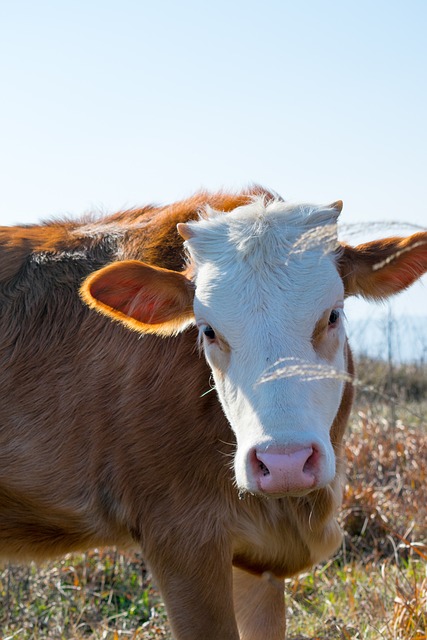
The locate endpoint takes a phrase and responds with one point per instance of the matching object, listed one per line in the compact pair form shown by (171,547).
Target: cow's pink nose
(282,473)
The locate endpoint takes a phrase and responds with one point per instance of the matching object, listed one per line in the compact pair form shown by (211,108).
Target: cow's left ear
(381,268)
(143,297)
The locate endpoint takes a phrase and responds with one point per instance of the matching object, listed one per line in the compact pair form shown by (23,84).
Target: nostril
(259,468)
(312,462)
(262,467)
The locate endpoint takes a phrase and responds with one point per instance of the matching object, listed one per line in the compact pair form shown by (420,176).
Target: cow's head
(266,290)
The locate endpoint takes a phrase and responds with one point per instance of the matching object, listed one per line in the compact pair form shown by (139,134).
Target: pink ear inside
(148,295)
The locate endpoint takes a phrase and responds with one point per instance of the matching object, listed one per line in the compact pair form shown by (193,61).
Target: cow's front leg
(260,606)
(197,592)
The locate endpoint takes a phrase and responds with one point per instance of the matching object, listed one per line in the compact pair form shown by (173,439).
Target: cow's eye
(334,317)
(209,332)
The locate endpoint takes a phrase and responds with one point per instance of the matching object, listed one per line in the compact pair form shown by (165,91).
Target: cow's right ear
(143,297)
(379,269)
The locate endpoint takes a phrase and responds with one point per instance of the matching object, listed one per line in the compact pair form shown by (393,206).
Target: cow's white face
(269,307)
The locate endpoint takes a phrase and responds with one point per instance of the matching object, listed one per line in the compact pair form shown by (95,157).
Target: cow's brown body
(107,437)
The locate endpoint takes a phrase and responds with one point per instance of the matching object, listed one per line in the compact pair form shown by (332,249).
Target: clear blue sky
(112,104)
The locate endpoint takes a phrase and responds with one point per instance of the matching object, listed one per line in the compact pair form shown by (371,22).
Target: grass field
(375,587)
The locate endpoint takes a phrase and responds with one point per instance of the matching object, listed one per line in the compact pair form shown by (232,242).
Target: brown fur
(380,268)
(108,438)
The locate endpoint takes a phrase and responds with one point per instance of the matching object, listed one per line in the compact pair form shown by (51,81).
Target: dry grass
(102,594)
(374,588)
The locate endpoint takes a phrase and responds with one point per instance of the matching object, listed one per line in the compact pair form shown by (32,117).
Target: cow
(227,470)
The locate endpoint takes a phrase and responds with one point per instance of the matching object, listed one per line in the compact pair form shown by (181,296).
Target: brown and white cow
(107,436)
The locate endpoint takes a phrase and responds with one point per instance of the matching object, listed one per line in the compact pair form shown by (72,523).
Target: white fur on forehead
(262,227)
